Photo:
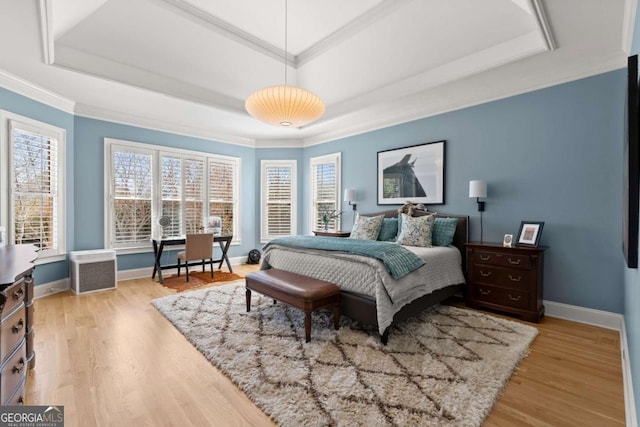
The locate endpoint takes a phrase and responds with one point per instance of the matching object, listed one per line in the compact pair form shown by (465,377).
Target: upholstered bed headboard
(460,237)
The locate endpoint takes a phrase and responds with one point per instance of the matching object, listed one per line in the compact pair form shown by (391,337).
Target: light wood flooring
(112,360)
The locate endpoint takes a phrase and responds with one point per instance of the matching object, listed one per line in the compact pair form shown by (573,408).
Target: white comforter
(368,276)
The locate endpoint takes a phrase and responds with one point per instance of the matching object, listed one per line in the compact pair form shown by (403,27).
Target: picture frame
(414,173)
(507,242)
(529,233)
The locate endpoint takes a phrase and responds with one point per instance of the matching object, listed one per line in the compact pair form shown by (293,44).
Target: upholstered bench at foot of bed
(306,293)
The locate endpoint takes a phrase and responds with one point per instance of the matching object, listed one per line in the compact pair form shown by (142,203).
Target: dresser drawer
(15,296)
(512,298)
(18,397)
(12,330)
(13,371)
(504,277)
(502,259)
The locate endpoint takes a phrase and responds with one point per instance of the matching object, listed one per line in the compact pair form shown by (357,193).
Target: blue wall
(553,155)
(89,175)
(18,104)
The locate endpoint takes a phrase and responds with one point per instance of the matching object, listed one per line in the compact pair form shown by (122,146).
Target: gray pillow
(416,231)
(367,227)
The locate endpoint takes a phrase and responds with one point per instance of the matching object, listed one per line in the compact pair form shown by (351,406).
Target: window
(325,189)
(278,198)
(147,183)
(132,196)
(33,190)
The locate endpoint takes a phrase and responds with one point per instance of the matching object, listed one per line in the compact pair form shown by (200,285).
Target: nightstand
(332,233)
(508,279)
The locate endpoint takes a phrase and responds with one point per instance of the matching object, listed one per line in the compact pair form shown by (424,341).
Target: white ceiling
(186,66)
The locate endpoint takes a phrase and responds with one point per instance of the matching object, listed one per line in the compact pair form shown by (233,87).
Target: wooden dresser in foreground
(508,279)
(16,321)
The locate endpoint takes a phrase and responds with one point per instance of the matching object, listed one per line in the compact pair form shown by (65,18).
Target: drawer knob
(483,274)
(19,294)
(515,298)
(515,279)
(485,258)
(483,292)
(17,369)
(514,262)
(17,327)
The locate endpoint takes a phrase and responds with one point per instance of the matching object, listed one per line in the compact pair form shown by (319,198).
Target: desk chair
(197,247)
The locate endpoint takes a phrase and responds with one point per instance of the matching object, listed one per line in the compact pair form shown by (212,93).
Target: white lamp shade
(287,106)
(349,195)
(477,188)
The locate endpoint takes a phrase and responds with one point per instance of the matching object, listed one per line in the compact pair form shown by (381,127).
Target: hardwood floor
(111,359)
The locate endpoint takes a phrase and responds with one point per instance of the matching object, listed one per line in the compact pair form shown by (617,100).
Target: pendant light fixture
(286,106)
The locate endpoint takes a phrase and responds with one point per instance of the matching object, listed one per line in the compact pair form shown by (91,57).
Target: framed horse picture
(414,173)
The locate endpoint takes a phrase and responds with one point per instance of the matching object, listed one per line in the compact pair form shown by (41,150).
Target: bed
(369,294)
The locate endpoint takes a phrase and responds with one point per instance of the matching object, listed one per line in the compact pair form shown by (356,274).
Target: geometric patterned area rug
(445,367)
(197,279)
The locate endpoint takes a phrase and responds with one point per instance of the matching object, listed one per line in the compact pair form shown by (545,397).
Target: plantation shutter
(221,193)
(34,188)
(132,196)
(193,194)
(171,177)
(325,188)
(278,199)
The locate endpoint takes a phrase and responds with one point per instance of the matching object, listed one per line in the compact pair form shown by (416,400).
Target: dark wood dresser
(16,321)
(506,279)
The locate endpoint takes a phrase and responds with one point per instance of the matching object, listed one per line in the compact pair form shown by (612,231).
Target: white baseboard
(51,288)
(629,398)
(590,316)
(608,320)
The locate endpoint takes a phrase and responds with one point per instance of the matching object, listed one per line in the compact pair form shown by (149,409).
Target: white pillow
(416,231)
(367,227)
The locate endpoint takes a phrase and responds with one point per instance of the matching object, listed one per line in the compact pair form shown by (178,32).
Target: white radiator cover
(94,270)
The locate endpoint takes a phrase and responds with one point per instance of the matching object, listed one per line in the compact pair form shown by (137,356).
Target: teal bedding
(398,260)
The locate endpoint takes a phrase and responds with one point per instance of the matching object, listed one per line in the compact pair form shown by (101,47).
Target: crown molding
(161,125)
(94,65)
(202,17)
(45,10)
(413,107)
(628,23)
(35,92)
(365,20)
(543,24)
(279,143)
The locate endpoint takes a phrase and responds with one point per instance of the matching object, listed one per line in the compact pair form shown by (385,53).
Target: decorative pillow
(443,231)
(367,227)
(389,230)
(400,219)
(416,231)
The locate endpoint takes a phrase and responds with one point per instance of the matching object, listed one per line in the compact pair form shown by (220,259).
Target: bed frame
(362,307)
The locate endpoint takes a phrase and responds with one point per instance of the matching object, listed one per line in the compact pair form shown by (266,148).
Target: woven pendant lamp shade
(287,106)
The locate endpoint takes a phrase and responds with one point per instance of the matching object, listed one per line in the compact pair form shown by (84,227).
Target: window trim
(157,152)
(6,201)
(264,164)
(324,159)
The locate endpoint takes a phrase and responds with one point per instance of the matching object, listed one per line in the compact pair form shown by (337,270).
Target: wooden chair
(197,247)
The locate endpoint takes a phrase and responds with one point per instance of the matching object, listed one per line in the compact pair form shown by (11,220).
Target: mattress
(368,276)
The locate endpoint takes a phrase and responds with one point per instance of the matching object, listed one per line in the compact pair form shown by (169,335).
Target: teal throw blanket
(398,260)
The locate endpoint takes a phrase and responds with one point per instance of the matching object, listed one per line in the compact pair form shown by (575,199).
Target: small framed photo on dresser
(508,240)
(529,233)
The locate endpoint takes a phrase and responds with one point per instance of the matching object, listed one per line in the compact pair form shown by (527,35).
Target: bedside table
(506,279)
(332,233)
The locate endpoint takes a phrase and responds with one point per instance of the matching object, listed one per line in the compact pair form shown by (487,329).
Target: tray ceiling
(188,65)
